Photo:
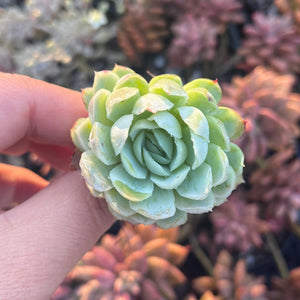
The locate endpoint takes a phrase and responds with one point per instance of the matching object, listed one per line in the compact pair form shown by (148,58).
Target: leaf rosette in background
(159,150)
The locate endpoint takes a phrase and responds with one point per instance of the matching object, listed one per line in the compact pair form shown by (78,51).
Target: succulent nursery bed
(247,248)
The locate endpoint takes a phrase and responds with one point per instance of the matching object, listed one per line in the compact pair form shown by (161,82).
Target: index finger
(35,111)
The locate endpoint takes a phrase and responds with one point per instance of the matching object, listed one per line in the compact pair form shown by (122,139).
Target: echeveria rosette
(159,150)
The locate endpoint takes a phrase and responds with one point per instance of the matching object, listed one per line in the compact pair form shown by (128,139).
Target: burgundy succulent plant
(271,111)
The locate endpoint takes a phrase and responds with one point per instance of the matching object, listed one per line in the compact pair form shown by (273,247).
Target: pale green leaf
(105,80)
(217,133)
(133,80)
(129,187)
(197,184)
(153,166)
(236,159)
(121,70)
(173,77)
(80,133)
(160,205)
(179,218)
(87,95)
(179,154)
(164,141)
(141,125)
(119,132)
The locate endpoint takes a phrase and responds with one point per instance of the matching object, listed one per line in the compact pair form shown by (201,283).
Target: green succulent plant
(159,150)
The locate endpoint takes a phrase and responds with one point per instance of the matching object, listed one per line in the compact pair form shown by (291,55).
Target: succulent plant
(290,8)
(286,288)
(149,36)
(275,184)
(159,150)
(230,281)
(139,263)
(191,44)
(237,224)
(273,42)
(270,110)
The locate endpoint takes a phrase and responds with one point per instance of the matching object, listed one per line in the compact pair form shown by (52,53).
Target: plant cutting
(157,151)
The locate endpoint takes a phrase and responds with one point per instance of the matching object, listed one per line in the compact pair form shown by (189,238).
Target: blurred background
(249,247)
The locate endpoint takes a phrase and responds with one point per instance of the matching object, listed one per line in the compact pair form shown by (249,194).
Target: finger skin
(18,184)
(44,237)
(35,111)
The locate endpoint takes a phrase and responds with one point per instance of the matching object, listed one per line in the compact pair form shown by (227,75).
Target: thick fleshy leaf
(133,219)
(159,158)
(164,141)
(87,95)
(118,203)
(168,122)
(138,145)
(80,133)
(173,77)
(173,180)
(153,166)
(141,125)
(195,206)
(197,184)
(236,158)
(152,103)
(225,189)
(97,108)
(218,161)
(119,132)
(160,205)
(170,89)
(211,85)
(130,163)
(129,187)
(120,102)
(121,70)
(105,80)
(179,218)
(197,148)
(217,133)
(179,154)
(233,122)
(95,172)
(101,145)
(195,120)
(133,80)
(203,100)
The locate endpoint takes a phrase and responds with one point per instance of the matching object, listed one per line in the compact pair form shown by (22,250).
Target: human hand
(56,223)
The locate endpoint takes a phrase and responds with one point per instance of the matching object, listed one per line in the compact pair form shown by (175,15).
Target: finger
(33,110)
(44,237)
(18,184)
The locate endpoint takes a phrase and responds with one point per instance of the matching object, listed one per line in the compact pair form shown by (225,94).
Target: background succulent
(270,109)
(145,142)
(271,42)
(141,262)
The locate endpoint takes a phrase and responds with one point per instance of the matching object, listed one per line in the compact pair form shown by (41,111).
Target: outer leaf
(173,180)
(160,205)
(233,122)
(152,103)
(120,102)
(197,184)
(117,203)
(236,159)
(95,172)
(134,219)
(173,77)
(195,120)
(105,80)
(87,95)
(202,99)
(97,108)
(195,206)
(218,161)
(211,85)
(178,219)
(130,163)
(217,133)
(170,89)
(168,122)
(119,133)
(80,133)
(129,187)
(121,70)
(133,80)
(101,145)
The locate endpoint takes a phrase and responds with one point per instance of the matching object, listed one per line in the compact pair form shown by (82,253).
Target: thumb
(44,237)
